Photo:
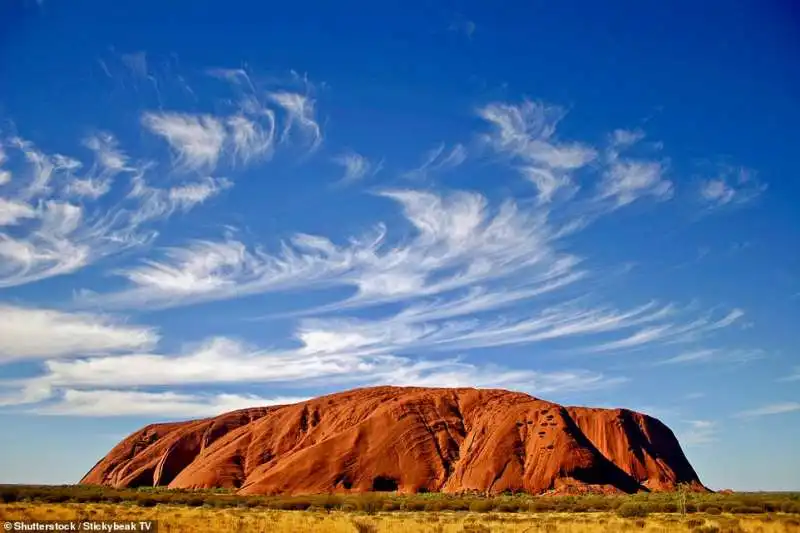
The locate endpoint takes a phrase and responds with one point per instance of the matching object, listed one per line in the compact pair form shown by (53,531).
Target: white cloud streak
(526,134)
(115,403)
(457,270)
(356,167)
(732,186)
(32,333)
(439,159)
(698,433)
(45,232)
(196,140)
(14,211)
(793,376)
(627,181)
(51,221)
(771,409)
(460,241)
(92,386)
(716,355)
(674,333)
(300,115)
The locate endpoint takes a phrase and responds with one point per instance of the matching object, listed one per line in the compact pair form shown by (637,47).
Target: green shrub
(508,507)
(413,505)
(294,505)
(331,502)
(537,506)
(712,510)
(458,504)
(747,509)
(481,506)
(8,496)
(668,507)
(632,510)
(390,506)
(146,502)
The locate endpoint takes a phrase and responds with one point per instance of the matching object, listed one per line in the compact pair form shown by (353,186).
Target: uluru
(405,439)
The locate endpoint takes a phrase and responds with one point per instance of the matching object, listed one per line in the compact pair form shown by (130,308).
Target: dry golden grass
(178,519)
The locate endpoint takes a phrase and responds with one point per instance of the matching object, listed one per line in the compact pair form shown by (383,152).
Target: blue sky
(205,207)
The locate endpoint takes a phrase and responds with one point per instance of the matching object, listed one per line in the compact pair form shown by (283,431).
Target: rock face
(406,439)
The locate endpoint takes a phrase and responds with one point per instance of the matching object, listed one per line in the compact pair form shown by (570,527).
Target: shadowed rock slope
(408,439)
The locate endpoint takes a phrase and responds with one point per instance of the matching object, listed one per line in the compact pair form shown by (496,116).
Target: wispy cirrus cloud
(525,133)
(625,178)
(35,333)
(674,333)
(466,262)
(356,167)
(794,375)
(110,161)
(196,140)
(626,181)
(771,409)
(115,403)
(200,141)
(439,159)
(699,432)
(444,273)
(713,355)
(96,385)
(162,202)
(300,115)
(56,216)
(5,175)
(460,240)
(732,186)
(14,211)
(51,223)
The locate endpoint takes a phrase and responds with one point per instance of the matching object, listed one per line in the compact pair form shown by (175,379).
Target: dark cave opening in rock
(384,484)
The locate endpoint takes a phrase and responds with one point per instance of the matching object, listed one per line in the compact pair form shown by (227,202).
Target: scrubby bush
(146,502)
(8,496)
(413,505)
(747,509)
(712,510)
(632,510)
(668,507)
(508,507)
(348,507)
(481,506)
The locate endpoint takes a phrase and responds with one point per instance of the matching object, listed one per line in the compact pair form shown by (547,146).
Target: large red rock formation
(406,439)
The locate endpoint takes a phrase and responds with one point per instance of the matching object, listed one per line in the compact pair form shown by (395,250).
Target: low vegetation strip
(625,506)
(181,519)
